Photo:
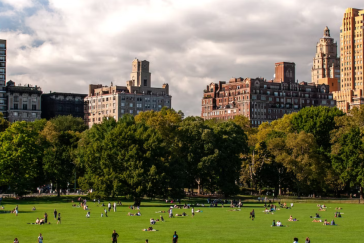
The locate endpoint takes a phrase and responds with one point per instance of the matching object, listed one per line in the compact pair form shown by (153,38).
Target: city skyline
(64,46)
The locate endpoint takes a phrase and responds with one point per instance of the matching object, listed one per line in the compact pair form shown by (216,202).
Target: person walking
(175,237)
(55,214)
(114,206)
(40,238)
(109,206)
(59,218)
(45,218)
(193,211)
(114,237)
(253,215)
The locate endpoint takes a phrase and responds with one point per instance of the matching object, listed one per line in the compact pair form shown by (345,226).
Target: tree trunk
(58,191)
(361,192)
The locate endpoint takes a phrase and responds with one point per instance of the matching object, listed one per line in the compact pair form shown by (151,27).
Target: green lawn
(212,225)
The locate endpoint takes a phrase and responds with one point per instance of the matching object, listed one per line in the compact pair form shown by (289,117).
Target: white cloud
(69,44)
(19,4)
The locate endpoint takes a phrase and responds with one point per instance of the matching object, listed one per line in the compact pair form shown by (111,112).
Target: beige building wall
(351,59)
(326,64)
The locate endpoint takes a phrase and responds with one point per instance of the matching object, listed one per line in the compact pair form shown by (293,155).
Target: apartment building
(63,104)
(3,99)
(351,60)
(115,101)
(261,100)
(23,102)
(326,63)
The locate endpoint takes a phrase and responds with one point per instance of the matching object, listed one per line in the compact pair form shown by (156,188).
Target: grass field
(212,225)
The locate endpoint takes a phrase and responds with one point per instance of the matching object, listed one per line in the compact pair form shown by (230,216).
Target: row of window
(25,107)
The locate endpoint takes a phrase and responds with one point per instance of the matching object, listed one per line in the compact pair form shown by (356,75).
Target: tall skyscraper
(326,64)
(351,60)
(3,77)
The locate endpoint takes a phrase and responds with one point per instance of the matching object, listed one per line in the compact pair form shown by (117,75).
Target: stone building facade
(326,63)
(116,101)
(63,104)
(23,102)
(351,60)
(261,100)
(3,99)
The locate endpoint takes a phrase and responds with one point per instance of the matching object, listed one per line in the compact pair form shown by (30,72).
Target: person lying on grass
(130,214)
(339,208)
(317,221)
(161,212)
(149,229)
(326,223)
(278,224)
(292,219)
(322,209)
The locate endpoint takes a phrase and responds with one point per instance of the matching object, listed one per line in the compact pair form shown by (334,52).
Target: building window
(16,98)
(122,111)
(131,104)
(131,111)
(122,104)
(34,107)
(25,107)
(15,113)
(145,82)
(139,105)
(15,106)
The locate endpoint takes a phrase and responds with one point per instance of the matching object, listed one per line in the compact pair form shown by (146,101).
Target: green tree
(21,149)
(319,121)
(4,124)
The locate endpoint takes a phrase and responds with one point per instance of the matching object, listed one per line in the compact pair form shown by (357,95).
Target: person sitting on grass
(317,221)
(326,223)
(16,240)
(184,214)
(290,218)
(332,223)
(88,214)
(138,214)
(149,229)
(266,211)
(152,221)
(295,240)
(161,217)
(41,221)
(307,240)
(273,223)
(33,209)
(317,216)
(337,215)
(279,224)
(37,221)
(102,215)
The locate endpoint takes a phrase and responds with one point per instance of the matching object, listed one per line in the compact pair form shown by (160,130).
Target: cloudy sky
(64,45)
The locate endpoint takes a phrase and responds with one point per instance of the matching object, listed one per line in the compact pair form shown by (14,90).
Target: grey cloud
(187,47)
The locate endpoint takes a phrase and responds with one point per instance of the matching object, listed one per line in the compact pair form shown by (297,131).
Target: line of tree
(318,150)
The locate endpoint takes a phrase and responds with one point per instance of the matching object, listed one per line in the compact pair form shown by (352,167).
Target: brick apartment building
(261,100)
(115,101)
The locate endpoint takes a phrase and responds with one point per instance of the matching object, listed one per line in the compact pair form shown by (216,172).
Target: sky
(65,45)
